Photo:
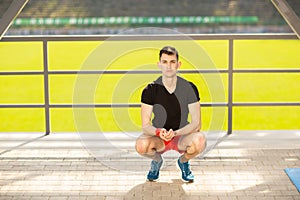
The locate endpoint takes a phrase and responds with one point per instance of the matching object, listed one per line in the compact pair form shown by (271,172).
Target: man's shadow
(158,190)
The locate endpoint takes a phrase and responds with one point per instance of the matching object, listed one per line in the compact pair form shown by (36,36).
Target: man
(170,98)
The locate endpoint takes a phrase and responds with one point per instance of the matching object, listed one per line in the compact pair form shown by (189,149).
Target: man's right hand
(167,135)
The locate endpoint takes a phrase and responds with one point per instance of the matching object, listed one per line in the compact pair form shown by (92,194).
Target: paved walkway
(244,165)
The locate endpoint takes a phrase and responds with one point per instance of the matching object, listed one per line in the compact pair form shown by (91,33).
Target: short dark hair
(169,51)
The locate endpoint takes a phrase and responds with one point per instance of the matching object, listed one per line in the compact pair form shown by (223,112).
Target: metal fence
(230,71)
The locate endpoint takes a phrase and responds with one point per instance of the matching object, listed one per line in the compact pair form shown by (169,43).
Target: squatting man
(171,99)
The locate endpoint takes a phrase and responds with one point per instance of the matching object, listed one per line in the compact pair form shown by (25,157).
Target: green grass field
(126,88)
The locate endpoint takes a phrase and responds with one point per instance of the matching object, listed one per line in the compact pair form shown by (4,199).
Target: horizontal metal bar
(137,105)
(266,71)
(284,36)
(153,71)
(267,104)
(113,105)
(22,73)
(112,72)
(22,105)
(135,71)
(94,105)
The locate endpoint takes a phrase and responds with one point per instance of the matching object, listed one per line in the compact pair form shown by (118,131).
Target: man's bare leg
(150,146)
(193,144)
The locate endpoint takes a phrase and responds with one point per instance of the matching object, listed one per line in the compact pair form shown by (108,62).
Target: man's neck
(170,83)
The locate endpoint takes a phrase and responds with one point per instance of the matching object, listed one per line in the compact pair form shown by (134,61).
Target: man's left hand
(169,135)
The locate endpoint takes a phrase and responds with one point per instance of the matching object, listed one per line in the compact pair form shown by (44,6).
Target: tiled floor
(244,165)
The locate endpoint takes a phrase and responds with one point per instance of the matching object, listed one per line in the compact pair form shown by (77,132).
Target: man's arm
(148,129)
(146,112)
(195,124)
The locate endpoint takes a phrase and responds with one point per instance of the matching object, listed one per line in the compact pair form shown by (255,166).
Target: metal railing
(230,71)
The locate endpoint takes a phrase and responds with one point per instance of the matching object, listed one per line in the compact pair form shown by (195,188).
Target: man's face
(169,65)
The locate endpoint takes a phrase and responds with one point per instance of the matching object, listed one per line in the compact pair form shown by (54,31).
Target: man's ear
(159,65)
(179,64)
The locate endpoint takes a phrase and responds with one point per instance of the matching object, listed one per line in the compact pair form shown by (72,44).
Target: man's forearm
(149,130)
(189,128)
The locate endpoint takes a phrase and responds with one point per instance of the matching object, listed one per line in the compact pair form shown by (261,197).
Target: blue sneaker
(153,174)
(186,173)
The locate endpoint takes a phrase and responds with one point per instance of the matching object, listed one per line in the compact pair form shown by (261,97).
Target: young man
(170,98)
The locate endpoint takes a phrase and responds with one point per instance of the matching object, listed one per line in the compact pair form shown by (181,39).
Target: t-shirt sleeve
(193,94)
(147,95)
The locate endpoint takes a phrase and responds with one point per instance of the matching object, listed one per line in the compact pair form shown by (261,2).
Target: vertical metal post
(46,87)
(230,86)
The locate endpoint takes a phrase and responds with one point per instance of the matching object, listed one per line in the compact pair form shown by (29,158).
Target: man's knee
(141,145)
(198,144)
(202,140)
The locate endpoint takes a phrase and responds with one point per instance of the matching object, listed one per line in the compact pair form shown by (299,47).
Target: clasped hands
(167,135)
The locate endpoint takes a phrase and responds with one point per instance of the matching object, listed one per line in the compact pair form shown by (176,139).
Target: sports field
(126,88)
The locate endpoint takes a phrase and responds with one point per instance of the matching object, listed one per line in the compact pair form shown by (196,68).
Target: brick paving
(242,166)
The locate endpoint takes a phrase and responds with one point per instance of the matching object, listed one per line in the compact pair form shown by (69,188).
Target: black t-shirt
(170,110)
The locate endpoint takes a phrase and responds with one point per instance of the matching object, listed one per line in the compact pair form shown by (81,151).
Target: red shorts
(172,145)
